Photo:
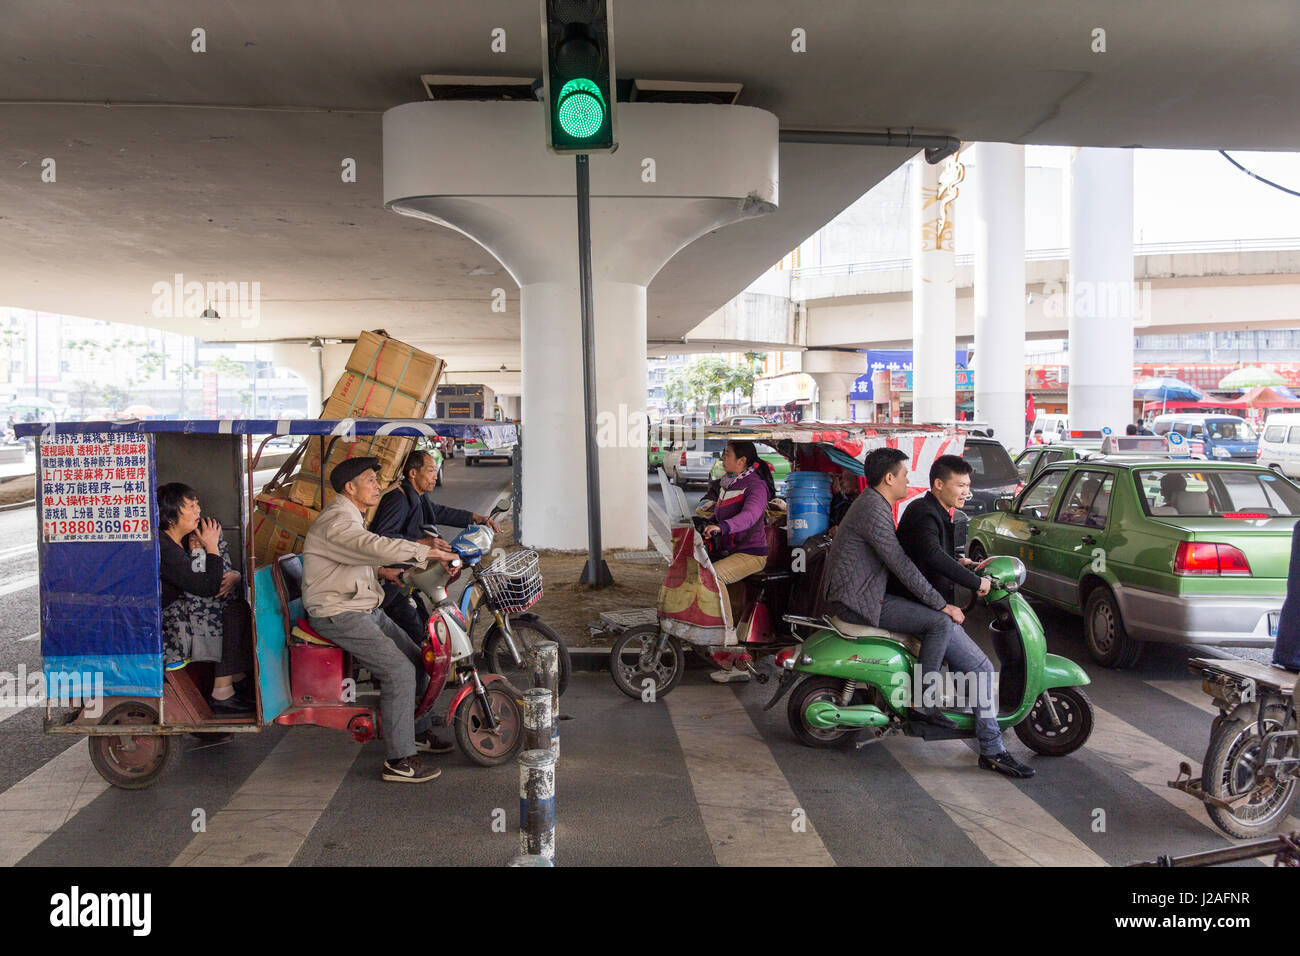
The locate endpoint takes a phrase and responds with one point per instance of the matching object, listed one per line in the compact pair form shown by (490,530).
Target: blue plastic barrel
(808,500)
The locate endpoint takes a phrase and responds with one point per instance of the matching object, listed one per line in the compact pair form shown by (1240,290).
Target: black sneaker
(1006,764)
(427,743)
(408,770)
(935,716)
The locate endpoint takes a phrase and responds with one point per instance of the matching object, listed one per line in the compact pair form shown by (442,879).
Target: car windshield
(1217,493)
(1228,429)
(990,462)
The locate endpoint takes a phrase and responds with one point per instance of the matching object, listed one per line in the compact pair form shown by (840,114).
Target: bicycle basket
(514,581)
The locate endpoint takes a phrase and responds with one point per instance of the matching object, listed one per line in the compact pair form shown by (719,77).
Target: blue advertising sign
(895,360)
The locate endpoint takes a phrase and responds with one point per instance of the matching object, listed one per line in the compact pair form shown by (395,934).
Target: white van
(1279,444)
(1049,429)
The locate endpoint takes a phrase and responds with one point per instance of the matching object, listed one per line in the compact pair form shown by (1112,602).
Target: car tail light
(683,461)
(1199,557)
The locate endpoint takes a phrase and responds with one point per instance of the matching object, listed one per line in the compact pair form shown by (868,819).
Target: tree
(114,397)
(85,393)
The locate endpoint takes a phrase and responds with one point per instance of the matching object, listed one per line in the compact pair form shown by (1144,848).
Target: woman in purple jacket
(746,489)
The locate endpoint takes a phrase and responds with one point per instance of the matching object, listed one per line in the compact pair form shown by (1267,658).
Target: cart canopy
(491,433)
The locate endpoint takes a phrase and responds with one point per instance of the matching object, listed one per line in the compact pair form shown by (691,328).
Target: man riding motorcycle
(402,513)
(865,551)
(342,597)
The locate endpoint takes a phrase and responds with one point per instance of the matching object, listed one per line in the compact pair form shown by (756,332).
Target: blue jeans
(394,659)
(943,639)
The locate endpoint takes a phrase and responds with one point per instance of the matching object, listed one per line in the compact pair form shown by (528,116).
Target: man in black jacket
(926,531)
(402,513)
(865,559)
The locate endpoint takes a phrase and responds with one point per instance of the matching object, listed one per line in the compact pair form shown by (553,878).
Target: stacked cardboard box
(383,378)
(279,526)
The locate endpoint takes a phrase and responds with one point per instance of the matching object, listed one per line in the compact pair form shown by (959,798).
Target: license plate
(1272,622)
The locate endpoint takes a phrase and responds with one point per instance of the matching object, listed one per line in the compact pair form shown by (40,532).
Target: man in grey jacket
(342,595)
(864,553)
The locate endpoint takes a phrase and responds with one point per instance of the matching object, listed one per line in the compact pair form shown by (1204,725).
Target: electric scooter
(860,681)
(484,712)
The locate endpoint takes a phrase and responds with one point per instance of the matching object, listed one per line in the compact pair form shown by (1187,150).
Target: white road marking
(17,552)
(1151,763)
(269,818)
(744,798)
(1189,692)
(1001,820)
(43,801)
(19,584)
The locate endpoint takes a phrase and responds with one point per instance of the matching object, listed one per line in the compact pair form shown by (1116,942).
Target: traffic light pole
(595,572)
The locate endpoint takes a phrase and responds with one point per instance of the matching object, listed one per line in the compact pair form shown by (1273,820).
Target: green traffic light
(580,108)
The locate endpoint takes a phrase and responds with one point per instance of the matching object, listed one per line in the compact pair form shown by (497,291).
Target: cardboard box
(279,527)
(391,452)
(356,396)
(401,367)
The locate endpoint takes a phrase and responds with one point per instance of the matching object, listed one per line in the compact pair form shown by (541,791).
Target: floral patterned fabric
(192,626)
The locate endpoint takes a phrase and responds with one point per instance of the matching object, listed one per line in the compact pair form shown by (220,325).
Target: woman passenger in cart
(745,490)
(204,617)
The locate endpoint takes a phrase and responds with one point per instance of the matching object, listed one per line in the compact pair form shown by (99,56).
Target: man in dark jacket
(926,532)
(401,514)
(865,552)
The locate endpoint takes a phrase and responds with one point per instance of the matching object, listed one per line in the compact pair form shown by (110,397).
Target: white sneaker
(729,676)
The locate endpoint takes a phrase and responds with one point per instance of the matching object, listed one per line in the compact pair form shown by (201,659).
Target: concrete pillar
(1101,289)
(681,171)
(834,372)
(1000,290)
(934,294)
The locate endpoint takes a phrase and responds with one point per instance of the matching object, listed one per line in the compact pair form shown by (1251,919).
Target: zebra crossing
(702,777)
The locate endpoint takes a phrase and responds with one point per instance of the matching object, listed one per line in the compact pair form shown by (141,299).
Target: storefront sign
(95,487)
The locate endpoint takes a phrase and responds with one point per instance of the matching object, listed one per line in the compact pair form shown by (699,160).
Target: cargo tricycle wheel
(131,761)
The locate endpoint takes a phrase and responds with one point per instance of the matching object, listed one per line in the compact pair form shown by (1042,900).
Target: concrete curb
(18,504)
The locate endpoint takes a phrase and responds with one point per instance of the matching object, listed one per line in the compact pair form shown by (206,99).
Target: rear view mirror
(1003,503)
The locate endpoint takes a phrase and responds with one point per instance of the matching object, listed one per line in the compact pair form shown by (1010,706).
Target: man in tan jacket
(342,595)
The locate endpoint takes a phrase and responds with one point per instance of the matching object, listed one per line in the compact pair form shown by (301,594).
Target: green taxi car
(1037,457)
(1151,549)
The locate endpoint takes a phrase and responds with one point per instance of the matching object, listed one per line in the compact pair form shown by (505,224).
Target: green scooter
(859,681)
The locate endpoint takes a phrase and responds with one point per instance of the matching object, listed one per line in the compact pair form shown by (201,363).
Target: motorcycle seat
(910,643)
(304,633)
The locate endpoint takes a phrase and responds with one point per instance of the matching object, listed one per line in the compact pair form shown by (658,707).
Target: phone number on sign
(88,526)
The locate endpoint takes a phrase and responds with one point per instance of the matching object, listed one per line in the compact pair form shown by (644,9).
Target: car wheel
(1108,641)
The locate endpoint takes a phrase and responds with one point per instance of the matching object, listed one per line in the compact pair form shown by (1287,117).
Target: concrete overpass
(130,155)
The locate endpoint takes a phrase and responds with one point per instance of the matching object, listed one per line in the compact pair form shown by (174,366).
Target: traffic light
(578,37)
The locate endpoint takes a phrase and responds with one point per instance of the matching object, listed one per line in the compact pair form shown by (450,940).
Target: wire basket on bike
(514,581)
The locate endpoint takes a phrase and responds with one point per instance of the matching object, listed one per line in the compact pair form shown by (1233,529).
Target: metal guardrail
(1139,249)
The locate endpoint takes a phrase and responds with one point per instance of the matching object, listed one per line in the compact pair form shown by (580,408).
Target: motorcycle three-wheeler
(691,612)
(100,590)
